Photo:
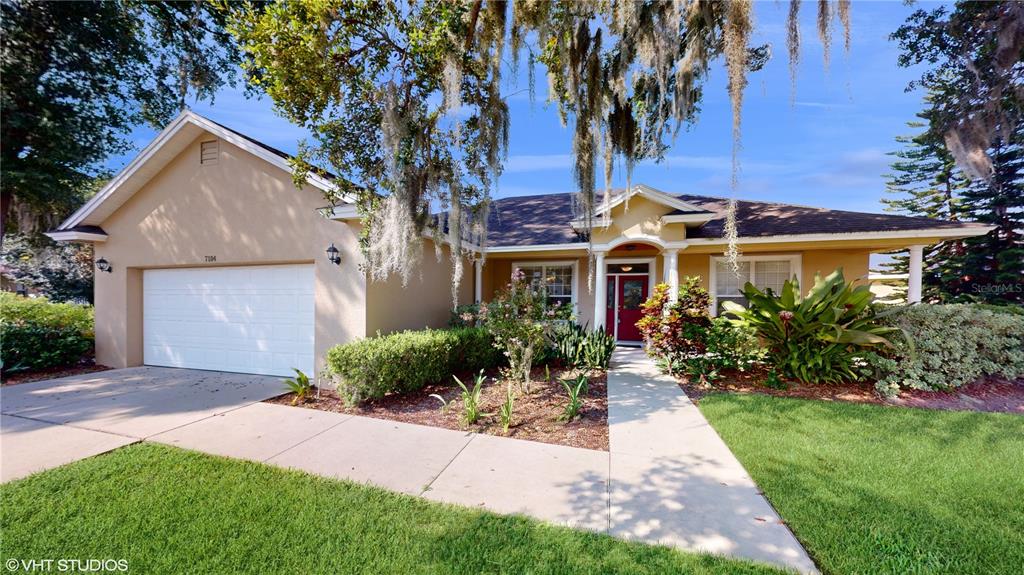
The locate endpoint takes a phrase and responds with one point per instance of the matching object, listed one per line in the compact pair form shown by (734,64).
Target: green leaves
(37,334)
(578,346)
(576,389)
(471,399)
(408,360)
(818,337)
(300,386)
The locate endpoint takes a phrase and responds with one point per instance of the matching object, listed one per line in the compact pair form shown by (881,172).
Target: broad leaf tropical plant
(817,338)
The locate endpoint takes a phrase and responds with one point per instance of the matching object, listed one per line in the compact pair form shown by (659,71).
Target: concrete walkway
(673,479)
(668,479)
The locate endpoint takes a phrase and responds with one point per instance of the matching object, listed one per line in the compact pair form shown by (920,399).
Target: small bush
(408,360)
(300,386)
(38,334)
(466,315)
(945,346)
(674,329)
(578,346)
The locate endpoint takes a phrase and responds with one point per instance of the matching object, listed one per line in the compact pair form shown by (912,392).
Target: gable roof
(165,147)
(547,220)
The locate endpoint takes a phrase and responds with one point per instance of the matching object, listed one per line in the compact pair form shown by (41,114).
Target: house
(209,256)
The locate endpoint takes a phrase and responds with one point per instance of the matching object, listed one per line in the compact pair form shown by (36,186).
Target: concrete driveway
(49,423)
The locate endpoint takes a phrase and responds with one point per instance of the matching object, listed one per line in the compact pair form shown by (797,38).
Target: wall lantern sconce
(103,265)
(333,255)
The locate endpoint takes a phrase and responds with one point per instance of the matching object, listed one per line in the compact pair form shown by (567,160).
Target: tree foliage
(60,271)
(406,97)
(78,76)
(973,56)
(968,164)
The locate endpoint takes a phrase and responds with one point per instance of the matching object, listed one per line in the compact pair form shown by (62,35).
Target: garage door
(254,319)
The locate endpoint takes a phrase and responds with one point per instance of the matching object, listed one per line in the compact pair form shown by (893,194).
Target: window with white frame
(558,278)
(765,272)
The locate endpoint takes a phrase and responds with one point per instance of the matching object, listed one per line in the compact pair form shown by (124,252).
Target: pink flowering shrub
(519,319)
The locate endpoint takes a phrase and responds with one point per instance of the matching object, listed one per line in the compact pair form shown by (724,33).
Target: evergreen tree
(925,182)
(990,268)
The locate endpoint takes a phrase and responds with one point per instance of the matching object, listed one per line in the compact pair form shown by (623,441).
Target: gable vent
(209,152)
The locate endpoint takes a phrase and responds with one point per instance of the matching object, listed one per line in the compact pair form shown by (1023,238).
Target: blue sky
(827,149)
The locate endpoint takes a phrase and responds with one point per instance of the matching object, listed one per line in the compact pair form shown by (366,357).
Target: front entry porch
(623,283)
(629,282)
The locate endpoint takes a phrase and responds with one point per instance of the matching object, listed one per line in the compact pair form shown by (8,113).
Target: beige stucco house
(210,257)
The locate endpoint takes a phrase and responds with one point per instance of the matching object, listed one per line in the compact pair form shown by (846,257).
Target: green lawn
(173,511)
(871,489)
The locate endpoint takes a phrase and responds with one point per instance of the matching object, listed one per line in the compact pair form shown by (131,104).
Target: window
(208,152)
(558,278)
(765,272)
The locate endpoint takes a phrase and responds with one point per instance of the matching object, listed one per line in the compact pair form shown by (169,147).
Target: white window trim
(651,275)
(795,268)
(575,275)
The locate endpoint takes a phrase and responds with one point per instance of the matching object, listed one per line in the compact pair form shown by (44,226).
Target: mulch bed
(991,395)
(51,373)
(535,416)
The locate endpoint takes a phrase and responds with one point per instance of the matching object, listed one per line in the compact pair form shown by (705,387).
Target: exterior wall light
(103,265)
(333,255)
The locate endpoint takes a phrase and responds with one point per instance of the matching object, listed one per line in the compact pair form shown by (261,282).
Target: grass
(870,489)
(172,511)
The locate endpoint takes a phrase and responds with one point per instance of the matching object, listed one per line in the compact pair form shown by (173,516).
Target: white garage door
(254,319)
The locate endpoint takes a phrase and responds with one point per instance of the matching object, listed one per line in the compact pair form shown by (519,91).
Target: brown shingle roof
(533,220)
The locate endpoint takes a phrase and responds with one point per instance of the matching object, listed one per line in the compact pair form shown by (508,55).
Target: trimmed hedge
(947,346)
(407,361)
(38,334)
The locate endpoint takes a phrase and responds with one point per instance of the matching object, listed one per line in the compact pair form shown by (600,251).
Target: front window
(556,279)
(765,272)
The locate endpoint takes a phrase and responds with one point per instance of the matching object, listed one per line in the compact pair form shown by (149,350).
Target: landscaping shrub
(467,315)
(943,347)
(38,334)
(407,361)
(578,346)
(817,338)
(672,330)
(520,321)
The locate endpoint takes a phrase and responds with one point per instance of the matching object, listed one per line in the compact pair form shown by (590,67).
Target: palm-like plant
(817,337)
(300,386)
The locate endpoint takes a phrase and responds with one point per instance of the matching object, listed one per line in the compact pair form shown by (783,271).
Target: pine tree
(925,182)
(990,268)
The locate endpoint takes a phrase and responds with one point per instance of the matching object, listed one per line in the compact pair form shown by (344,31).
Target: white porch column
(478,281)
(671,262)
(914,281)
(600,291)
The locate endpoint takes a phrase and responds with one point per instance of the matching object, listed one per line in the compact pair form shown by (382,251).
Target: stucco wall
(425,302)
(242,211)
(638,218)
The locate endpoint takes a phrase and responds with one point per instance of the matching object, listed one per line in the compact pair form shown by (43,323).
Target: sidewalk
(668,479)
(673,479)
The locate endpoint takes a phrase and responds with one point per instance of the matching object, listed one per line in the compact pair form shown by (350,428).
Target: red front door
(631,295)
